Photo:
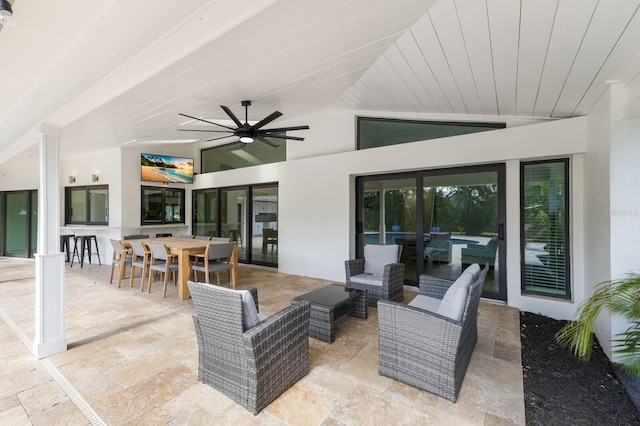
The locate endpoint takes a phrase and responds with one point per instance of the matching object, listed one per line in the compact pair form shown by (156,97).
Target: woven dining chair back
(163,262)
(121,257)
(140,259)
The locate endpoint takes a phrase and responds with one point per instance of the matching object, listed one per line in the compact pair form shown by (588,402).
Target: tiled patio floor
(132,360)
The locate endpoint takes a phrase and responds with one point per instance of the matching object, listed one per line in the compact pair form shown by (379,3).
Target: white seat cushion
(455,299)
(376,256)
(473,269)
(425,303)
(367,279)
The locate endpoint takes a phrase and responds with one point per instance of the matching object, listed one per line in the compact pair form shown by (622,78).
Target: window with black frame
(377,132)
(545,228)
(239,155)
(87,205)
(161,205)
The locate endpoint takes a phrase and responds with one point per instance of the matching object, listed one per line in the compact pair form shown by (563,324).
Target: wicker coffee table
(330,303)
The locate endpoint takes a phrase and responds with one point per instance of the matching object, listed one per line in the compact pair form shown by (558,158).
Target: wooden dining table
(183,248)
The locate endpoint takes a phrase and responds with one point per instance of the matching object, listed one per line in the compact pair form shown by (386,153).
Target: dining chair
(121,256)
(200,256)
(164,262)
(215,259)
(221,239)
(139,259)
(187,236)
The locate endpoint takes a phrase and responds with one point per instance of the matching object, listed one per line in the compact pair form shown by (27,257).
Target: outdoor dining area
(136,357)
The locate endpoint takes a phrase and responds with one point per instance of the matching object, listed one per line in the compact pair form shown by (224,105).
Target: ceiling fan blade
(221,137)
(267,141)
(206,121)
(286,129)
(268,119)
(231,115)
(202,130)
(269,135)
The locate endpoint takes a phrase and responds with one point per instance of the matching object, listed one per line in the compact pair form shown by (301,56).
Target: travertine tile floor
(132,360)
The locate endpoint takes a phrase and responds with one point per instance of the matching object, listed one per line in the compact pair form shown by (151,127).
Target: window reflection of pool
(373,238)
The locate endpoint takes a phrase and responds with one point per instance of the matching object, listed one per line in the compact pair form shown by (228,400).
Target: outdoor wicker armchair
(255,366)
(380,273)
(425,349)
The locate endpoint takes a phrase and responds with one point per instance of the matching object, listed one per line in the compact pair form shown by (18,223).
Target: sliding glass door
(19,223)
(247,215)
(264,226)
(444,219)
(233,213)
(205,213)
(389,217)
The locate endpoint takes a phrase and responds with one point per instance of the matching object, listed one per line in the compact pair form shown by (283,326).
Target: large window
(376,132)
(162,205)
(545,228)
(239,155)
(87,205)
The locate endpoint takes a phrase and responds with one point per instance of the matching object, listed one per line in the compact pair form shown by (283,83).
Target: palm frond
(620,297)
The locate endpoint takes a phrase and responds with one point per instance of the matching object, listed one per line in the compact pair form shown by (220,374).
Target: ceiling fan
(246,132)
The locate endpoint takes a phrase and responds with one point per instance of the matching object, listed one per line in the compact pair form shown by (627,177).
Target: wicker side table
(330,303)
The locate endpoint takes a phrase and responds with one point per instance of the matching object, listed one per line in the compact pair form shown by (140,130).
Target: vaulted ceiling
(109,71)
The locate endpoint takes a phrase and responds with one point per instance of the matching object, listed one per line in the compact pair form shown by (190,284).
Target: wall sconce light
(72,179)
(94,178)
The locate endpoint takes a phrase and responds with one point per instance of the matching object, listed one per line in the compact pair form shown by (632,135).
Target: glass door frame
(247,220)
(31,236)
(419,176)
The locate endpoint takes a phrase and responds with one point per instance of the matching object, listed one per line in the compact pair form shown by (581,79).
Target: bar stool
(65,245)
(85,248)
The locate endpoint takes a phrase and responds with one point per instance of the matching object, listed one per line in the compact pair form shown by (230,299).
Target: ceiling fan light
(6,14)
(246,139)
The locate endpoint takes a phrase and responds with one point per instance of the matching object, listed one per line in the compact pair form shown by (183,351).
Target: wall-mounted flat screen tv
(166,168)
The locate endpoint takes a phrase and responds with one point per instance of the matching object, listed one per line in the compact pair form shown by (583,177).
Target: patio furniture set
(426,344)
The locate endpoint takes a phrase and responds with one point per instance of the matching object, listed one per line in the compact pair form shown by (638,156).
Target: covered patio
(132,359)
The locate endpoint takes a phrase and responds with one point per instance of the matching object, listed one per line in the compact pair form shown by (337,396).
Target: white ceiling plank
(411,80)
(376,82)
(464,57)
(402,92)
(504,19)
(473,19)
(427,40)
(535,33)
(410,50)
(571,21)
(619,67)
(603,32)
(447,26)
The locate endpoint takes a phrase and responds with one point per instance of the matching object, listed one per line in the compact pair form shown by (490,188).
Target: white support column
(50,335)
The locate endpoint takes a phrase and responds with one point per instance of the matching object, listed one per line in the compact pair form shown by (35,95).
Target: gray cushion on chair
(367,279)
(474,270)
(250,316)
(377,256)
(425,303)
(455,299)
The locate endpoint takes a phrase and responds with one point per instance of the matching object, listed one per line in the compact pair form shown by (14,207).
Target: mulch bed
(559,389)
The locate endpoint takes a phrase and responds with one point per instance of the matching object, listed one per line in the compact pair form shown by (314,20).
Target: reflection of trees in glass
(400,208)
(541,223)
(472,210)
(371,211)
